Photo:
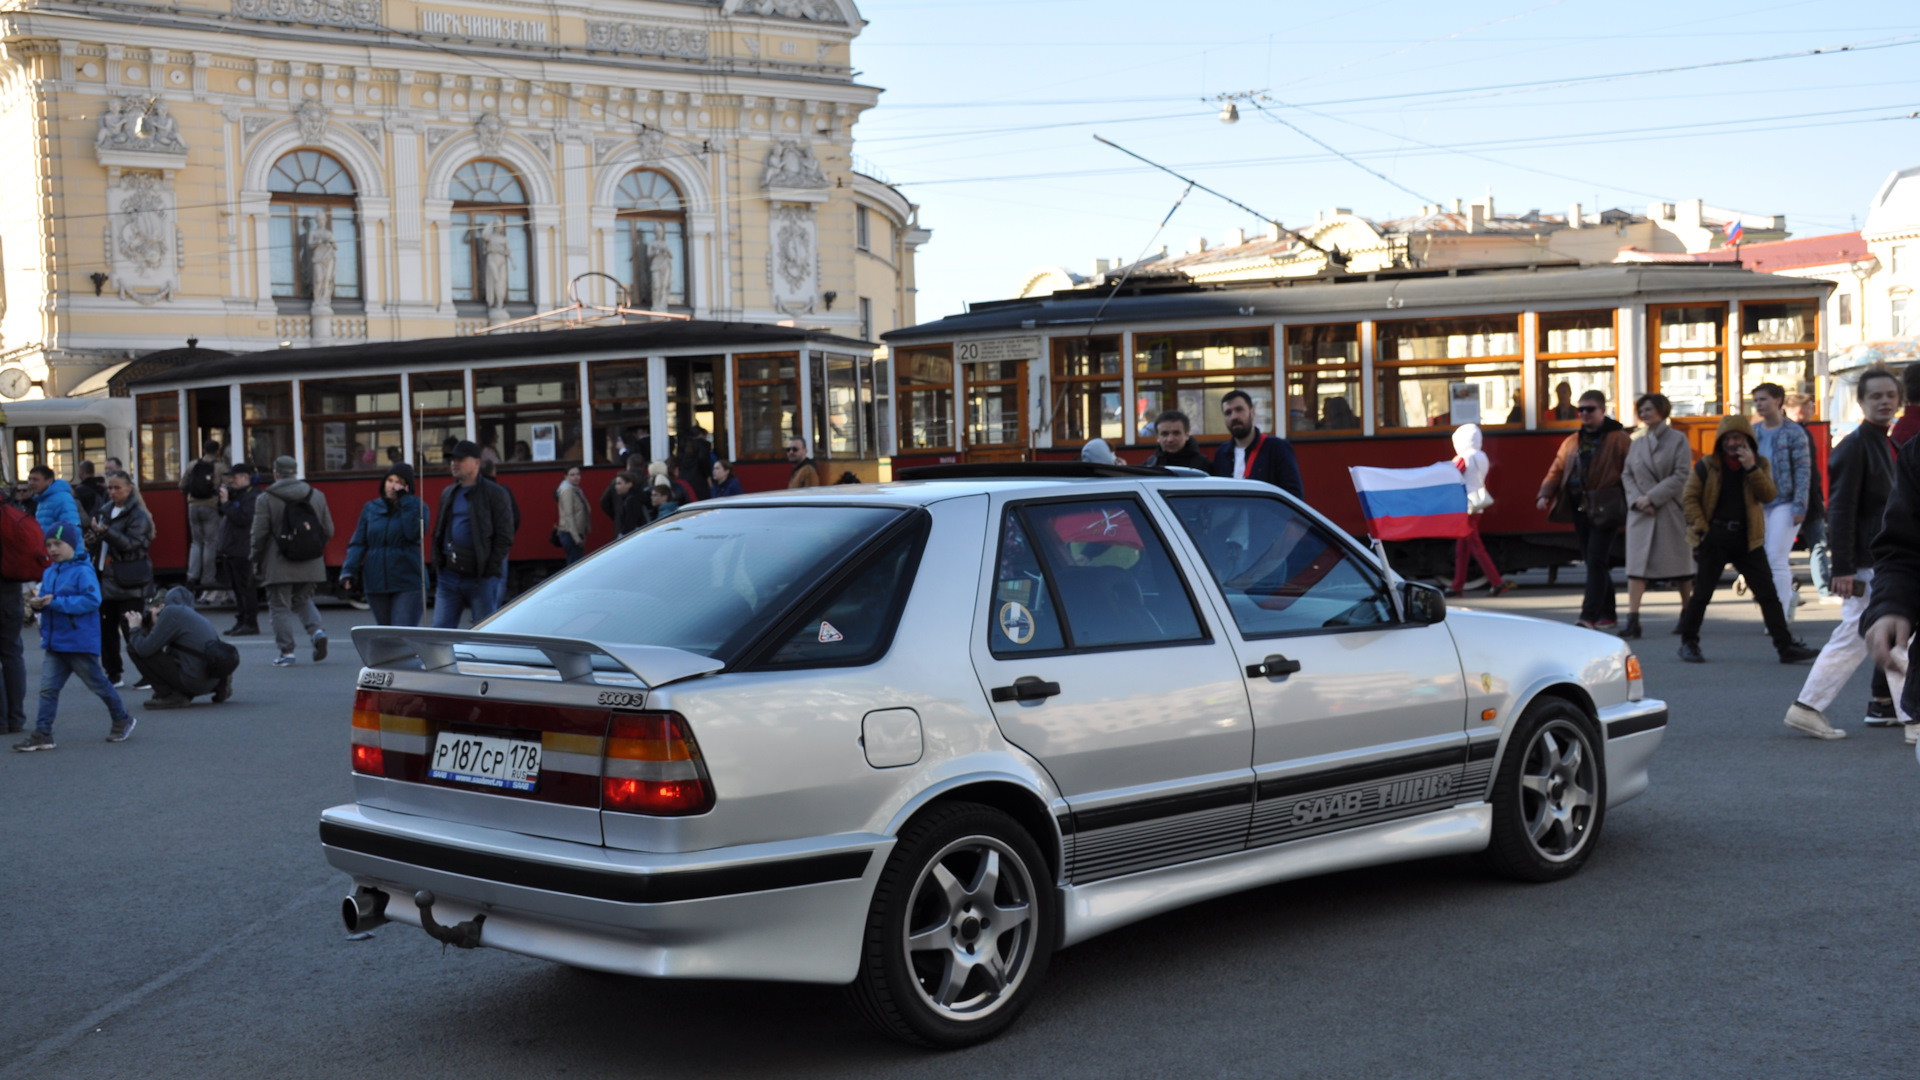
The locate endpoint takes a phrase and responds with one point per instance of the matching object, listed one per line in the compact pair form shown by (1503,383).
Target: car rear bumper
(790,911)
(1634,730)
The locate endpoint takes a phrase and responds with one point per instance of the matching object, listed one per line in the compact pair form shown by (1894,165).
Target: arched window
(490,205)
(313,197)
(653,227)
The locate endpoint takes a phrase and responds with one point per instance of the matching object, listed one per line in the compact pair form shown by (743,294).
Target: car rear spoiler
(421,648)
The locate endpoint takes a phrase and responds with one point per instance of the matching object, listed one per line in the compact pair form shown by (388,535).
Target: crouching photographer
(178,651)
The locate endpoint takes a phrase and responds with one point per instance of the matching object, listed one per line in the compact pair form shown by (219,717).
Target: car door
(1359,716)
(1097,657)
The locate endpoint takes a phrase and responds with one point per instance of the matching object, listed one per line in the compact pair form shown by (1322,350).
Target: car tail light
(367,757)
(653,767)
(1636,689)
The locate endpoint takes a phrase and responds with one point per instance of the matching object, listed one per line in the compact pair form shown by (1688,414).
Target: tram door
(209,420)
(996,410)
(696,396)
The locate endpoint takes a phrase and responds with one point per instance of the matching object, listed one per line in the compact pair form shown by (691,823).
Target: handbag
(554,539)
(131,573)
(1606,507)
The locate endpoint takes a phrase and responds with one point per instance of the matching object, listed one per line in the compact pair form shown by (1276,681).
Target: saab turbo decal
(1307,811)
(1402,792)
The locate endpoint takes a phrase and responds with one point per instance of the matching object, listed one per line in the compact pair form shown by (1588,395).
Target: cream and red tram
(542,401)
(1371,369)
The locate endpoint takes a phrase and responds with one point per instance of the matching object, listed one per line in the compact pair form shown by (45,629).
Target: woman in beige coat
(1655,475)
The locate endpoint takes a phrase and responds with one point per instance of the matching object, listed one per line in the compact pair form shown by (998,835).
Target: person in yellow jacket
(1726,505)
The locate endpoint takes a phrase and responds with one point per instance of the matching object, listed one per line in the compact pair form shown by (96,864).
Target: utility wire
(1331,256)
(1322,144)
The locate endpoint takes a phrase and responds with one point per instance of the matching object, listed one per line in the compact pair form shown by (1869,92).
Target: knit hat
(66,534)
(284,467)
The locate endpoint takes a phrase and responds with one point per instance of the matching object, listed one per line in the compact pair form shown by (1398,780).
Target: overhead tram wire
(1254,100)
(1332,256)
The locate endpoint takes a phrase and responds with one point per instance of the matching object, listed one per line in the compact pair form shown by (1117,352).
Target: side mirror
(1424,604)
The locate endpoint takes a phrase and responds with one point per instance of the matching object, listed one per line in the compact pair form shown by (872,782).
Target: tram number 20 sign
(995,349)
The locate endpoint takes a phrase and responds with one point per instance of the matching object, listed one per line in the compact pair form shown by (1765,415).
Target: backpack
(23,547)
(299,538)
(200,484)
(219,658)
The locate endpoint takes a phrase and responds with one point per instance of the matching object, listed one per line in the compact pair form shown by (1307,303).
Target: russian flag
(1413,504)
(1732,230)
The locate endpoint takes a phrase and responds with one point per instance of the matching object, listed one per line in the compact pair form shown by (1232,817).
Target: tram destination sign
(996,349)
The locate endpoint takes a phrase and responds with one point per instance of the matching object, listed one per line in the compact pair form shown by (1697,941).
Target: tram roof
(1397,293)
(440,352)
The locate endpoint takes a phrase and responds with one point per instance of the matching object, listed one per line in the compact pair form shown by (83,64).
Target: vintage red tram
(1370,369)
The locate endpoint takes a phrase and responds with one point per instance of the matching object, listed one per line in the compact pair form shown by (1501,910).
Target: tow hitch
(464,935)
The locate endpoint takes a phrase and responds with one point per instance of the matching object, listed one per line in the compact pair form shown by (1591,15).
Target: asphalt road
(169,914)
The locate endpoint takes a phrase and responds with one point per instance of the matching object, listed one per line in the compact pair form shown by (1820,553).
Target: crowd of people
(1742,505)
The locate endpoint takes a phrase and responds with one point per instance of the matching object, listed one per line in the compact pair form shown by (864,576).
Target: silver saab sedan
(914,737)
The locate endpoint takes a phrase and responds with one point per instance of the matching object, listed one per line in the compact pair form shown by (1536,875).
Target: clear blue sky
(991,106)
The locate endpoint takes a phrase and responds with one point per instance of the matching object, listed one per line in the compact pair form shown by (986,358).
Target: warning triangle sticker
(828,633)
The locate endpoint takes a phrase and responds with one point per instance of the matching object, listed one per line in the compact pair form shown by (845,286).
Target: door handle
(1275,666)
(1026,688)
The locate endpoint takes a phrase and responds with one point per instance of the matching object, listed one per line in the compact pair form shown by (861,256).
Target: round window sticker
(1016,622)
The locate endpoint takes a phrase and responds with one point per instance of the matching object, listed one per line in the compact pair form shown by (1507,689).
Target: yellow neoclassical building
(261,173)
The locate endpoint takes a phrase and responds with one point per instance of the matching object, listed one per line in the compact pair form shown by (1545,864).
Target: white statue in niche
(659,274)
(113,124)
(499,260)
(321,255)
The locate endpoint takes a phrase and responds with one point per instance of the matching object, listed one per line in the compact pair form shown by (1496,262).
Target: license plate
(486,761)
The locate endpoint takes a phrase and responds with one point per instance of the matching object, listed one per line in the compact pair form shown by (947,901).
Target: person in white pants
(1862,472)
(1786,446)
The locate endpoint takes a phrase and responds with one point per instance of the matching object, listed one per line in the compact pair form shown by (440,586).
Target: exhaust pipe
(363,909)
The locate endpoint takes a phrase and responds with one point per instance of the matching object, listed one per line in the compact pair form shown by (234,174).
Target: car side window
(1101,578)
(854,623)
(1280,571)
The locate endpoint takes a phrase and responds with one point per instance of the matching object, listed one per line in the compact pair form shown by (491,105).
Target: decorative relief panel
(312,118)
(628,37)
(356,14)
(823,11)
(438,135)
(793,262)
(792,165)
(142,238)
(139,125)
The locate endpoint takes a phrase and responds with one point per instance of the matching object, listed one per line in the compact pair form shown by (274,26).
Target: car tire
(1549,795)
(960,930)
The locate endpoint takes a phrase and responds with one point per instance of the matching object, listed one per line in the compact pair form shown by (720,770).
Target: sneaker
(243,631)
(224,690)
(319,645)
(283,660)
(39,740)
(119,733)
(1690,652)
(1811,721)
(143,685)
(1798,653)
(1880,713)
(168,701)
(1606,625)
(119,682)
(1502,589)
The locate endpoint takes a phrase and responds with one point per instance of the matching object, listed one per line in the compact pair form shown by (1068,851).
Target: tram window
(57,451)
(1689,350)
(621,420)
(26,451)
(93,443)
(843,419)
(1576,352)
(1193,370)
(1423,362)
(266,422)
(352,425)
(1324,392)
(438,412)
(159,422)
(1088,398)
(924,381)
(768,391)
(529,414)
(1777,343)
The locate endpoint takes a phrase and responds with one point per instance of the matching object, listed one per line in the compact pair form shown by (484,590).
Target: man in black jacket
(1894,605)
(1861,471)
(1252,455)
(235,548)
(1173,431)
(471,535)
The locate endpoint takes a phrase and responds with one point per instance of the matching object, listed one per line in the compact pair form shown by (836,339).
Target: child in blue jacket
(69,607)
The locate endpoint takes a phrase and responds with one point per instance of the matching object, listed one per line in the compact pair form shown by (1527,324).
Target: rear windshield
(701,580)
